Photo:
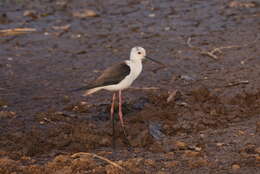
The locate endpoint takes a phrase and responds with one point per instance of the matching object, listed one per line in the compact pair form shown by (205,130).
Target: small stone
(7,114)
(83,103)
(241,132)
(171,164)
(30,13)
(236,4)
(235,166)
(152,15)
(85,13)
(63,27)
(198,149)
(257,158)
(171,96)
(180,144)
(76,36)
(189,153)
(220,144)
(186,77)
(202,135)
(167,28)
(257,150)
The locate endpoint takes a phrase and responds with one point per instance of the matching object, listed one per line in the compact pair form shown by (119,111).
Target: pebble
(30,13)
(189,153)
(63,27)
(235,166)
(181,145)
(257,150)
(83,103)
(85,13)
(220,144)
(236,4)
(186,77)
(167,28)
(170,164)
(257,158)
(152,15)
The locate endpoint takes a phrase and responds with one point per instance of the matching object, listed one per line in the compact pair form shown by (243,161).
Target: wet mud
(200,114)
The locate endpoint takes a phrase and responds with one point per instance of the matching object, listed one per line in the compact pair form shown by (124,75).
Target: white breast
(135,70)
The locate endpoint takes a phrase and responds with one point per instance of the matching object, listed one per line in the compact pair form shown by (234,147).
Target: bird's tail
(91,91)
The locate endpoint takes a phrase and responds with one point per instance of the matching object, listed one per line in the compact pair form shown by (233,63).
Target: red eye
(139,52)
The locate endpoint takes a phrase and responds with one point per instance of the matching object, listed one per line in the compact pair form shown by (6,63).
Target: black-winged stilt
(117,78)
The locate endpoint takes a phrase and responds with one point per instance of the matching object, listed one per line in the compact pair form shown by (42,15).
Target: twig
(48,120)
(16,31)
(210,54)
(190,45)
(237,83)
(97,156)
(213,52)
(171,96)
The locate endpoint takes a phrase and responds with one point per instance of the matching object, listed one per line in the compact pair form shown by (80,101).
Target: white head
(137,53)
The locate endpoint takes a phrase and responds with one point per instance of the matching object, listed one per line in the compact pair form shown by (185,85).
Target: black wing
(112,75)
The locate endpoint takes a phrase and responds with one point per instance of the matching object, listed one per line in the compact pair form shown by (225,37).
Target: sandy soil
(201,115)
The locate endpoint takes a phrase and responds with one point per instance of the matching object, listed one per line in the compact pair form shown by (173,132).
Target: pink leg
(113,119)
(120,111)
(112,106)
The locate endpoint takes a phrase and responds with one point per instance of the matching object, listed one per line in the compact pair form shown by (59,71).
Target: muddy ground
(200,114)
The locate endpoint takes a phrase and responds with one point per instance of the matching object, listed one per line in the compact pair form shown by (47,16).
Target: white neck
(135,66)
(136,60)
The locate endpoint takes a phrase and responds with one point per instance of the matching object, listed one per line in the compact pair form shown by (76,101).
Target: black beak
(156,61)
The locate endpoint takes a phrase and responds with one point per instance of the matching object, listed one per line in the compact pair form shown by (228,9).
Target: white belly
(121,86)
